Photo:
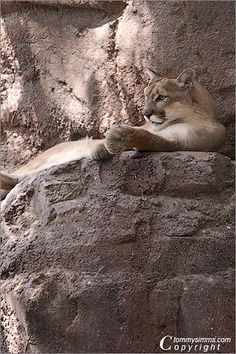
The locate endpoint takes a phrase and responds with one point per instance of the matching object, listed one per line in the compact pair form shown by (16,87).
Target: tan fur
(184,120)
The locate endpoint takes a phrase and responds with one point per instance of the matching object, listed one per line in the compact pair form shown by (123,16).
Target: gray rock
(79,65)
(112,256)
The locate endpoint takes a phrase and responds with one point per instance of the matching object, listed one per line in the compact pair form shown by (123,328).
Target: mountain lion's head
(163,94)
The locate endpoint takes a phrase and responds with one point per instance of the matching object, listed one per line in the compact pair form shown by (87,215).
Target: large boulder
(113,256)
(76,67)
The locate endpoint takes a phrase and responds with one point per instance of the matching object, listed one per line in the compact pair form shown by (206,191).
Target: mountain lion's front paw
(115,139)
(100,153)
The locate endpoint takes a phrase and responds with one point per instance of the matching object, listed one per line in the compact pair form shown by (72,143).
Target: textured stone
(77,67)
(112,256)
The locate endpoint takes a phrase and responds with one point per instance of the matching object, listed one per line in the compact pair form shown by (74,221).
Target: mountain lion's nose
(147,113)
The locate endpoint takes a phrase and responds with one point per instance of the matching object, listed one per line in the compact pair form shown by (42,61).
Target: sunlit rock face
(72,68)
(113,256)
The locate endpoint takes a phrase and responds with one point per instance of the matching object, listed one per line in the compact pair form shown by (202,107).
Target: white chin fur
(156,119)
(146,119)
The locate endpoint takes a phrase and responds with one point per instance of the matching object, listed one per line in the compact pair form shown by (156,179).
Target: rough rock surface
(111,257)
(72,68)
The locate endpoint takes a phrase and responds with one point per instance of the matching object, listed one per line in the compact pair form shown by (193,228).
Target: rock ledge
(111,257)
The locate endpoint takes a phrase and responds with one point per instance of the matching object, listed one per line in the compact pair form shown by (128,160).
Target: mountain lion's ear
(152,73)
(186,78)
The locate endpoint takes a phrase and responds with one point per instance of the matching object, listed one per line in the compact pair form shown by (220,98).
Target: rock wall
(113,256)
(72,68)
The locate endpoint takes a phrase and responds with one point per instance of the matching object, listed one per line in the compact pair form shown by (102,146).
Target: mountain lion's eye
(160,98)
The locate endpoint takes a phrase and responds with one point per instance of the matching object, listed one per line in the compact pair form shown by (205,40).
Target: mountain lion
(179,113)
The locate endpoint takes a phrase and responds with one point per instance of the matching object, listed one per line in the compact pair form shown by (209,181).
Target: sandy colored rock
(111,257)
(73,68)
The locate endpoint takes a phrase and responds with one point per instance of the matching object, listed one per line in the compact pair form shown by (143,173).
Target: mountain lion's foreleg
(122,138)
(99,152)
